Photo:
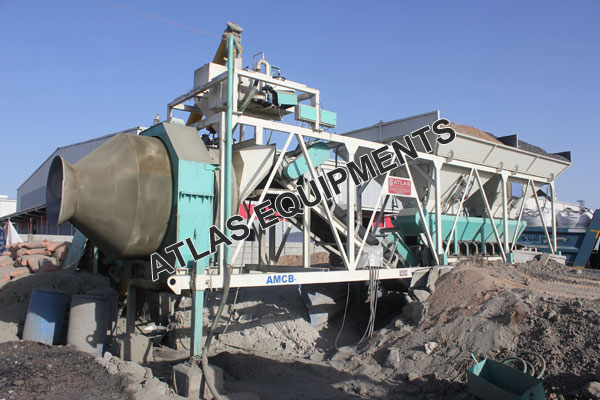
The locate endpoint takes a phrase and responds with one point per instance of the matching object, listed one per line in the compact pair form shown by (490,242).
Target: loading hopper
(475,149)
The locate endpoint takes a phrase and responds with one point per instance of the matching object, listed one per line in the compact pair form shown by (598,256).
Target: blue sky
(74,70)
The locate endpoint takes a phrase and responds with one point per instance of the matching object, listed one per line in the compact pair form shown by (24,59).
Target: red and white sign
(399,186)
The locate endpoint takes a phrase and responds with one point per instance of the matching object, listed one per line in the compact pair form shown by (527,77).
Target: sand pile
(270,322)
(489,310)
(493,311)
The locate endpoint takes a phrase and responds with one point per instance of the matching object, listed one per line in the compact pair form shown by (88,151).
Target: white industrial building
(29,215)
(7,206)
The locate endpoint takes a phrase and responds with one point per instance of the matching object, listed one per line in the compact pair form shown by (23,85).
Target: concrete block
(432,278)
(544,258)
(324,302)
(180,339)
(521,256)
(420,294)
(133,347)
(189,381)
(419,278)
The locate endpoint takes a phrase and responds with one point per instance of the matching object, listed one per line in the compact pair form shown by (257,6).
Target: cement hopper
(119,195)
(251,164)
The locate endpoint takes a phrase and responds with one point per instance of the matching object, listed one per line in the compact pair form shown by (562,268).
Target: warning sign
(399,186)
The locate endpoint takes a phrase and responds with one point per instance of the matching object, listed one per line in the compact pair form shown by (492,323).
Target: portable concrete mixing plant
(135,196)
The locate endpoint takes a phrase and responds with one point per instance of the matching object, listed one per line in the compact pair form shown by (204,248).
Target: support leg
(131,305)
(505,212)
(306,233)
(553,206)
(272,244)
(438,212)
(197,317)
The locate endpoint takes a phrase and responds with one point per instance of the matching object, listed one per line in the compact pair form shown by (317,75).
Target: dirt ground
(270,349)
(488,310)
(31,370)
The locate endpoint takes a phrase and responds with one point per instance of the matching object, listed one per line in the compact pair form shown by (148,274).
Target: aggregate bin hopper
(449,182)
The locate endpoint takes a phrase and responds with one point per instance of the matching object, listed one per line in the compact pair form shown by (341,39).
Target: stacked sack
(32,257)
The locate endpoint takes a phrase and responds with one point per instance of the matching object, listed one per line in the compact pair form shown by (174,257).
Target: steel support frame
(375,210)
(424,157)
(181,282)
(553,210)
(252,218)
(525,197)
(328,212)
(351,142)
(349,254)
(490,215)
(283,242)
(504,178)
(465,194)
(506,245)
(437,165)
(306,253)
(351,219)
(551,243)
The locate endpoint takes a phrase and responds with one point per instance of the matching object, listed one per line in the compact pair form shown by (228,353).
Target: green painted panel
(306,113)
(467,228)
(492,380)
(286,99)
(403,250)
(195,207)
(328,118)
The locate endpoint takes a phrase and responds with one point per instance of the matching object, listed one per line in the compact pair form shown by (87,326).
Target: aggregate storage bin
(491,380)
(88,323)
(45,315)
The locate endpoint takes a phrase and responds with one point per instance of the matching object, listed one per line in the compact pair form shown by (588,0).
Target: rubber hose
(210,382)
(530,369)
(539,375)
(204,359)
(226,283)
(513,359)
(527,364)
